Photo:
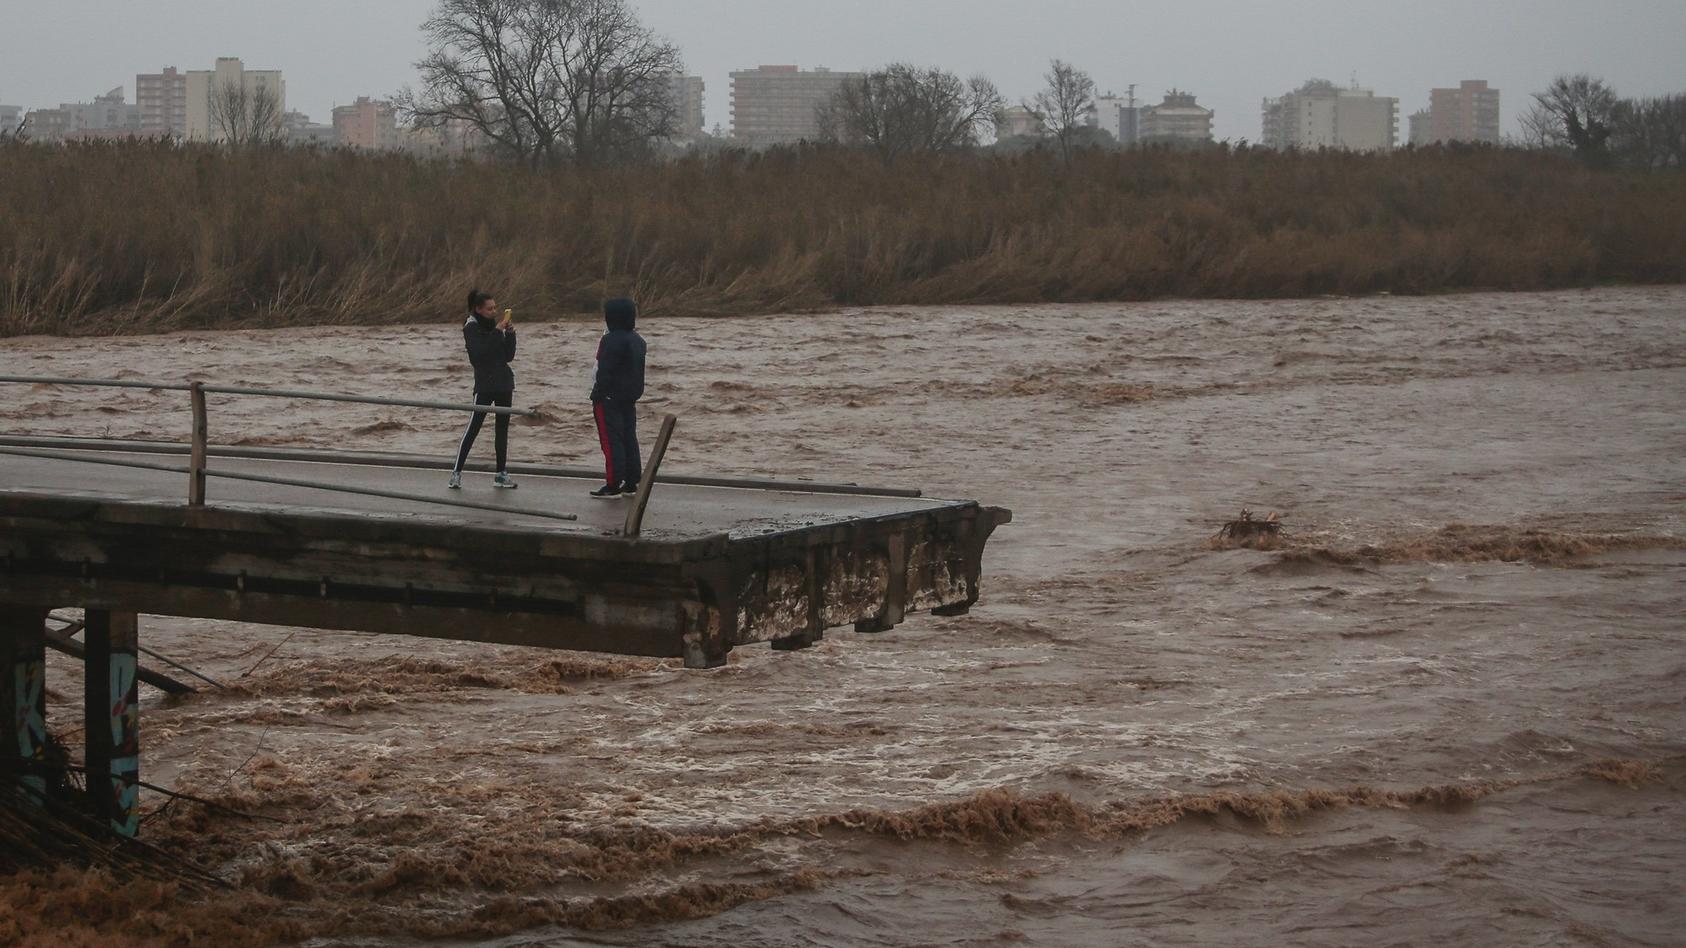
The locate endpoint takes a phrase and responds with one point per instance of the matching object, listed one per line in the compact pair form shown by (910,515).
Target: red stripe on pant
(603,438)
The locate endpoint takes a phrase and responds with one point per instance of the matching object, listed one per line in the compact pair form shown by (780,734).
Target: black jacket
(490,350)
(620,362)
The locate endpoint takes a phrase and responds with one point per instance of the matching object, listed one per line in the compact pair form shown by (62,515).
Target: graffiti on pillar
(29,721)
(125,744)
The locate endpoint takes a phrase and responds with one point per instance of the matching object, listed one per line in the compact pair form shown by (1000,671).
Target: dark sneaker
(607,490)
(629,488)
(503,480)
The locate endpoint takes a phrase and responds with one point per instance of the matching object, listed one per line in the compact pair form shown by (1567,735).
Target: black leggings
(502,400)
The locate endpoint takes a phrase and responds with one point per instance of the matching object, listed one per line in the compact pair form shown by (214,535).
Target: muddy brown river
(1448,708)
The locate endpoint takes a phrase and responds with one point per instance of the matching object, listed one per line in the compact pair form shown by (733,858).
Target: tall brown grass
(132,237)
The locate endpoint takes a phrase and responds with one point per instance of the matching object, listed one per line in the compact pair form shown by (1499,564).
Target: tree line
(586,83)
(1583,115)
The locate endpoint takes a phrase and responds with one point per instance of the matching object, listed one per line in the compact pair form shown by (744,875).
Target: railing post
(635,515)
(196,461)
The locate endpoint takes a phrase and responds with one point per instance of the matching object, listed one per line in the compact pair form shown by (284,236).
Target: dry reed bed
(134,237)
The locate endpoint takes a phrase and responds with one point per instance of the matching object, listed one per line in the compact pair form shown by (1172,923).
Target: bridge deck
(714,567)
(676,511)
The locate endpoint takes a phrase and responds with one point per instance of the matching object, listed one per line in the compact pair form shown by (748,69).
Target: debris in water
(1245,531)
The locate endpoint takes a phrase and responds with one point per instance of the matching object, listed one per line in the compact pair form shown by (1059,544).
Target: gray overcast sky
(1231,53)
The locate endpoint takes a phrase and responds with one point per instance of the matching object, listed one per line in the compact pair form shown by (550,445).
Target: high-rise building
(367,123)
(1419,128)
(1469,113)
(1320,114)
(10,117)
(687,92)
(774,105)
(1177,120)
(1115,115)
(162,97)
(264,91)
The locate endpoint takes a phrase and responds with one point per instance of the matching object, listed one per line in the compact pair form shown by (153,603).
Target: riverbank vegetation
(118,237)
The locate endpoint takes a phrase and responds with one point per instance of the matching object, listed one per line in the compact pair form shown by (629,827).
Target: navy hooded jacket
(620,356)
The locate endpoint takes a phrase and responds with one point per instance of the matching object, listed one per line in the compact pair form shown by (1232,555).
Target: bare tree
(1576,112)
(548,80)
(1063,107)
(244,114)
(902,109)
(1539,129)
(1650,134)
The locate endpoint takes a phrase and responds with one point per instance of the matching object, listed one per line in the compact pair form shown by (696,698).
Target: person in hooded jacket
(616,386)
(491,347)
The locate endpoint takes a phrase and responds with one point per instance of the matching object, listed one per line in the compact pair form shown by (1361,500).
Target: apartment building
(162,97)
(1116,116)
(107,116)
(1178,120)
(10,117)
(1419,126)
(1016,121)
(1320,114)
(455,138)
(300,130)
(1469,113)
(367,123)
(774,105)
(230,73)
(687,92)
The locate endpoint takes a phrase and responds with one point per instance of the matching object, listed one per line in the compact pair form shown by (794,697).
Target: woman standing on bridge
(491,347)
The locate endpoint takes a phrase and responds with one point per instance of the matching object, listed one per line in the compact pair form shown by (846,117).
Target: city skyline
(333,54)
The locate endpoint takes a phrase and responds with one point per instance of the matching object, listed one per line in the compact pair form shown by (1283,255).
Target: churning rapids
(1449,707)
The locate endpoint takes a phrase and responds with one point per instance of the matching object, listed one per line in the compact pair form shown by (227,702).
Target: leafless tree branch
(547,80)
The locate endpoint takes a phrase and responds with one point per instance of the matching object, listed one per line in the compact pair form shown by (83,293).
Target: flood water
(1451,708)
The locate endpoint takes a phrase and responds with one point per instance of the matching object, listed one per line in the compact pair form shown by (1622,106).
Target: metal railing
(198,471)
(266,393)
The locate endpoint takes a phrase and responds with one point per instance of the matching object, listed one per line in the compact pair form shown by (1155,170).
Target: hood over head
(620,313)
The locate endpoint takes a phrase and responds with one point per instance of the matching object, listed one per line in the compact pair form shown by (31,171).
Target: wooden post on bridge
(635,513)
(23,700)
(112,718)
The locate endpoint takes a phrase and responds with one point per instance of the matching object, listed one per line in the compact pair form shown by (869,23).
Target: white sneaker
(456,481)
(502,480)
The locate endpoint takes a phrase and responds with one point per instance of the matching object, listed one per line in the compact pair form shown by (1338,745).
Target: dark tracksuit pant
(617,429)
(501,426)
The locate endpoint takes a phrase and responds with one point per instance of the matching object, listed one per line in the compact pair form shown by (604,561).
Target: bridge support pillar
(112,718)
(23,701)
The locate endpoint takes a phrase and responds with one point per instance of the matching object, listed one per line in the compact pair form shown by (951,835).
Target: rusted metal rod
(287,482)
(635,515)
(63,639)
(417,461)
(268,393)
(96,383)
(388,494)
(364,399)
